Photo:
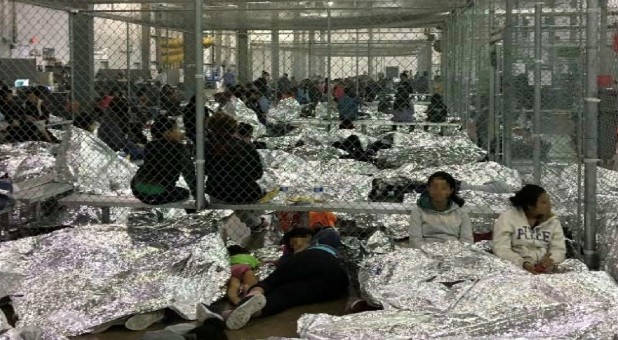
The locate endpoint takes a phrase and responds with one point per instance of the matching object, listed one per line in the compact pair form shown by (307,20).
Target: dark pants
(310,276)
(174,195)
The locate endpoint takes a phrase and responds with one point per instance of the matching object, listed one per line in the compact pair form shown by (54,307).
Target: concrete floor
(281,325)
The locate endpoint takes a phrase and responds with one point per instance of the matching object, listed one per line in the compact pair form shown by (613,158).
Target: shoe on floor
(142,321)
(242,314)
(359,306)
(203,313)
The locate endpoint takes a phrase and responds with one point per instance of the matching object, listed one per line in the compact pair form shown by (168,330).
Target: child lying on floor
(243,276)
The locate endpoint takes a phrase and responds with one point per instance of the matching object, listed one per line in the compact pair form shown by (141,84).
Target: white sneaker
(242,314)
(142,321)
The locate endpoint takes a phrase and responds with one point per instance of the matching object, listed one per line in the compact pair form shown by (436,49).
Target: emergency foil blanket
(476,174)
(24,161)
(452,291)
(421,150)
(78,278)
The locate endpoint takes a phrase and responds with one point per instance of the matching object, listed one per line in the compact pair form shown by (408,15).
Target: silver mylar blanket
(79,278)
(421,150)
(451,291)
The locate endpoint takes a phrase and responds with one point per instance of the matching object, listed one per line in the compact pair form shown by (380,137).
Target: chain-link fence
(352,105)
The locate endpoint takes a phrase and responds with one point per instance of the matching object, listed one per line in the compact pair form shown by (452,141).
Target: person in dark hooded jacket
(165,159)
(233,167)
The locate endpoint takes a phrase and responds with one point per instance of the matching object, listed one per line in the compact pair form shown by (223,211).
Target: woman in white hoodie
(529,234)
(439,215)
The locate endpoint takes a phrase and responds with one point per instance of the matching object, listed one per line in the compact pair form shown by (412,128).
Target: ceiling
(269,15)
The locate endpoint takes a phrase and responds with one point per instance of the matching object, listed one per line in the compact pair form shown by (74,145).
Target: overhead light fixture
(330,3)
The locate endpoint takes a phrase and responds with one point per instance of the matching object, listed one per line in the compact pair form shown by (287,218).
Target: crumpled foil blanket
(287,109)
(24,161)
(384,277)
(94,168)
(79,278)
(31,333)
(349,186)
(452,291)
(477,173)
(420,150)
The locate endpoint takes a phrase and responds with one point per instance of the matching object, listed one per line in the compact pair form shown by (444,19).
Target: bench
(35,195)
(106,202)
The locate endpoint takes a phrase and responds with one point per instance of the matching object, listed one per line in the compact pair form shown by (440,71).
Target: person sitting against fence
(259,104)
(19,126)
(115,129)
(436,111)
(85,122)
(245,132)
(142,108)
(233,168)
(169,101)
(439,215)
(403,110)
(529,234)
(348,105)
(35,105)
(104,102)
(313,274)
(165,159)
(189,117)
(243,275)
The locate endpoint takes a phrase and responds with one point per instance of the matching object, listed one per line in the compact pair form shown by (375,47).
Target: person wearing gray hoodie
(439,216)
(529,234)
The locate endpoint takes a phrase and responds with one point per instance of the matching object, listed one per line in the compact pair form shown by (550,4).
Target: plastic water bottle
(318,194)
(284,192)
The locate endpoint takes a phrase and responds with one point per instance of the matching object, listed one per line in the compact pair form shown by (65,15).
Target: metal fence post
(199,103)
(536,135)
(591,117)
(329,93)
(508,88)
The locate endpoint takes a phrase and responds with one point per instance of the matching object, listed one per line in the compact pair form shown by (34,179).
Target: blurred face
(299,243)
(543,206)
(175,135)
(32,97)
(439,191)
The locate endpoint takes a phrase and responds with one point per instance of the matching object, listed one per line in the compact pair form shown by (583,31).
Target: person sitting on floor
(348,105)
(165,159)
(245,132)
(115,129)
(243,275)
(21,127)
(312,275)
(85,122)
(233,169)
(529,234)
(439,216)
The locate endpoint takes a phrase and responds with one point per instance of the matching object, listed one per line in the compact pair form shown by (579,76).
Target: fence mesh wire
(326,103)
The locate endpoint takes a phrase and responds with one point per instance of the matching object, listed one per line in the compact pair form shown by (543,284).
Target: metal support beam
(536,135)
(242,56)
(199,104)
(145,40)
(508,89)
(82,62)
(591,128)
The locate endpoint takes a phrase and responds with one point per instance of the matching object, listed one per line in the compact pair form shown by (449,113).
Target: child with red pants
(243,276)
